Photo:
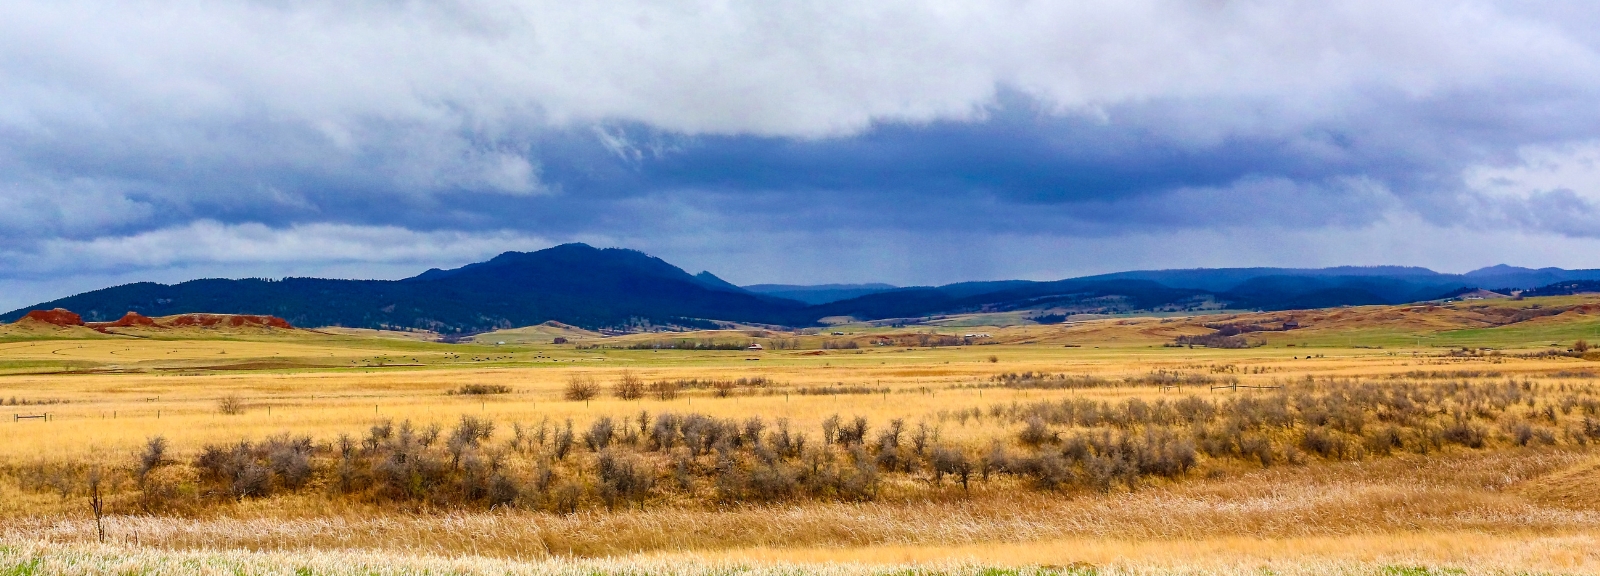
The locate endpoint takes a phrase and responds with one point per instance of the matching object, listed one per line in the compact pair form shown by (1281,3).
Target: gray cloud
(918,141)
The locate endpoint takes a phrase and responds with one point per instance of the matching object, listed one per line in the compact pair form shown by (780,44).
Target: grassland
(1402,446)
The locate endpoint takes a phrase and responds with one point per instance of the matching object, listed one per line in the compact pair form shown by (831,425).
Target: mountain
(572,283)
(820,293)
(615,288)
(1513,277)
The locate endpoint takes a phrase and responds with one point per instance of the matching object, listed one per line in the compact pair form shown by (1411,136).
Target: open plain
(1399,440)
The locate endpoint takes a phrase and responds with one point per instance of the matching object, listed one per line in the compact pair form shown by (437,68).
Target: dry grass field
(1390,440)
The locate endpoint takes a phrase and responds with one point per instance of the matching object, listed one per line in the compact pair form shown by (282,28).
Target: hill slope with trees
(628,290)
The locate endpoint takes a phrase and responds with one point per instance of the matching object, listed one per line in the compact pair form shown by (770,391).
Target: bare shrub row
(643,459)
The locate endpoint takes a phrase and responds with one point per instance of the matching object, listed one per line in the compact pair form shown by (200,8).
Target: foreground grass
(1414,555)
(1498,498)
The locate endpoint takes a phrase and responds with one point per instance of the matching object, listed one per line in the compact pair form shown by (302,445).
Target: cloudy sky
(809,141)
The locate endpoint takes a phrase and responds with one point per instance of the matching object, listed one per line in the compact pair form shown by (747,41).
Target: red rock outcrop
(59,317)
(226,320)
(129,320)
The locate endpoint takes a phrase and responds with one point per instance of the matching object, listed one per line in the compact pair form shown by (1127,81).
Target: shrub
(503,490)
(785,443)
(664,389)
(770,482)
(1325,443)
(471,430)
(155,454)
(830,429)
(1035,432)
(580,387)
(854,432)
(1257,448)
(231,405)
(628,387)
(951,461)
(599,434)
(563,442)
(1466,434)
(289,459)
(247,470)
(481,389)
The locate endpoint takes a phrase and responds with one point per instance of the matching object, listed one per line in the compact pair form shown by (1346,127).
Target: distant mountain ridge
(572,283)
(625,289)
(819,293)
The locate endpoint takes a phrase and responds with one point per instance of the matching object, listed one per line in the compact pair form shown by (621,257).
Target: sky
(909,142)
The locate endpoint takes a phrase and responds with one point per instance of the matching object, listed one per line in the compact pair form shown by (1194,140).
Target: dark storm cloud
(1000,139)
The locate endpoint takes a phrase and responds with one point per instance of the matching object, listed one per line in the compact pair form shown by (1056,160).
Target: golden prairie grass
(1518,508)
(1460,492)
(117,411)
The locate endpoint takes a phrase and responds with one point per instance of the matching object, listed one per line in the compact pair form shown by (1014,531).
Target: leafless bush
(1036,432)
(480,389)
(155,454)
(247,470)
(952,461)
(230,405)
(1466,434)
(466,436)
(664,389)
(623,478)
(628,386)
(600,433)
(563,442)
(581,387)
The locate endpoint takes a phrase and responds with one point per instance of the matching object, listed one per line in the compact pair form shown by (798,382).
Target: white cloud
(723,66)
(312,247)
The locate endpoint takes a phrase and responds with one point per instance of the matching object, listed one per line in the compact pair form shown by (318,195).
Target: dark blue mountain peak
(575,258)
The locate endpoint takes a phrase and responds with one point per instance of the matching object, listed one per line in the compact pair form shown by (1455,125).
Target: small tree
(581,387)
(1580,346)
(96,503)
(629,386)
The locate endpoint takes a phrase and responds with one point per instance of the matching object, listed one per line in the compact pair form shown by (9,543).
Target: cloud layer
(810,142)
